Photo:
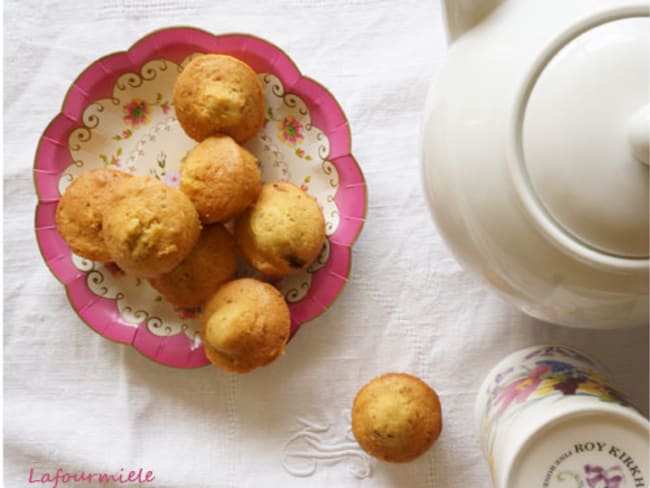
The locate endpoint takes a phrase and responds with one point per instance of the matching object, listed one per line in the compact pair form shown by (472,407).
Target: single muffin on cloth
(80,212)
(245,325)
(151,228)
(283,232)
(210,264)
(216,93)
(221,178)
(396,417)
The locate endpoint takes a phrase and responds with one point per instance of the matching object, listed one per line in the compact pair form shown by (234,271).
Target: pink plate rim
(96,82)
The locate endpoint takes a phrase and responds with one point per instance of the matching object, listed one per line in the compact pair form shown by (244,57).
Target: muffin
(216,93)
(81,209)
(151,228)
(283,232)
(396,417)
(210,264)
(245,325)
(221,178)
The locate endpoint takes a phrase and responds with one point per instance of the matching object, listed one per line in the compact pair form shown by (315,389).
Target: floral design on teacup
(594,477)
(599,477)
(545,371)
(550,376)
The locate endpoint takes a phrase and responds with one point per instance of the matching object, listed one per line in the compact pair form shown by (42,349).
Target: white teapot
(535,154)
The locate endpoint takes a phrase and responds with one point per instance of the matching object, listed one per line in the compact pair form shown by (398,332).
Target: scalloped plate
(118,114)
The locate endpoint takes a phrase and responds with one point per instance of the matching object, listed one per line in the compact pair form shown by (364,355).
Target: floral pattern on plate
(118,114)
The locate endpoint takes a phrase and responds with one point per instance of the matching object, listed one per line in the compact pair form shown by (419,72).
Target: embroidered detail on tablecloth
(316,445)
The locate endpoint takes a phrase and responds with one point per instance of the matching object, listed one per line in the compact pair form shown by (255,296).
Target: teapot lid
(583,137)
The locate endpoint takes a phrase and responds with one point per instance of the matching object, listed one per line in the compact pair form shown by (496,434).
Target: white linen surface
(76,401)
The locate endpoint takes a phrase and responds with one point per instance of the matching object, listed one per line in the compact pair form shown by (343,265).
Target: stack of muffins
(176,238)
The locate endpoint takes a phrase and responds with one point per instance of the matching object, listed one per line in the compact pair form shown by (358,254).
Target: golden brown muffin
(80,212)
(216,93)
(210,264)
(283,232)
(396,417)
(151,229)
(245,325)
(221,178)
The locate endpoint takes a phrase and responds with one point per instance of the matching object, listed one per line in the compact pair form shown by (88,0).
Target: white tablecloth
(75,401)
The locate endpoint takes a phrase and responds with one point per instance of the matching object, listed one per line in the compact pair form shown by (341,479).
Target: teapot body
(474,184)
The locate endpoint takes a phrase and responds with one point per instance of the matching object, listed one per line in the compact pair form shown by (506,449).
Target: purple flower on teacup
(558,366)
(599,477)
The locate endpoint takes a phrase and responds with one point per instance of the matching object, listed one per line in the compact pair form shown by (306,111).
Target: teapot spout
(462,15)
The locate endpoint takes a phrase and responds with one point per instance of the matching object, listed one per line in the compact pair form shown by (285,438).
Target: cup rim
(627,413)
